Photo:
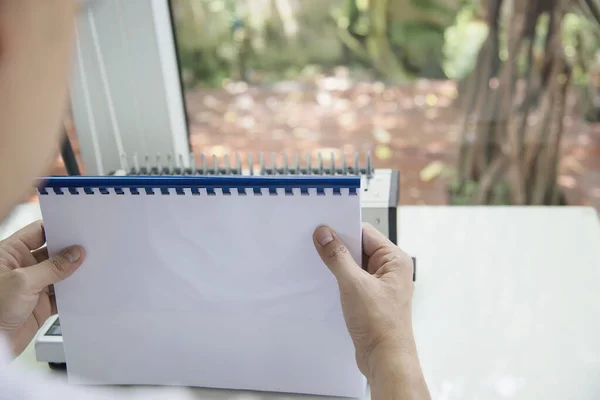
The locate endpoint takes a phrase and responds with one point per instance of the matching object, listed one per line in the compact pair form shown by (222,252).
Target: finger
(32,235)
(41,254)
(42,310)
(52,299)
(374,240)
(53,307)
(381,252)
(54,269)
(336,255)
(49,290)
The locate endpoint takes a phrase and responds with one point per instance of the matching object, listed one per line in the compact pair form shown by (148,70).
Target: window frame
(126,90)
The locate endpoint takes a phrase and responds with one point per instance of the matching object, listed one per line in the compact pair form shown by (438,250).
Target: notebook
(208,281)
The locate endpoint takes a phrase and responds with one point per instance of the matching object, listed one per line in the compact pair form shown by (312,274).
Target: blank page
(205,281)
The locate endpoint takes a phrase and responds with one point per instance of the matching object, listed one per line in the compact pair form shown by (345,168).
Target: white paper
(212,291)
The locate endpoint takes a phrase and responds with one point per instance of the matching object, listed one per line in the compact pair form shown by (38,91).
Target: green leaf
(462,44)
(434,6)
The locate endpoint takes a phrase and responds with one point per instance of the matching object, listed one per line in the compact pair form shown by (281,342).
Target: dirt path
(406,128)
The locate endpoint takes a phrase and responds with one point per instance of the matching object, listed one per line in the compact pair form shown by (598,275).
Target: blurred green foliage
(265,41)
(220,39)
(462,42)
(581,38)
(251,39)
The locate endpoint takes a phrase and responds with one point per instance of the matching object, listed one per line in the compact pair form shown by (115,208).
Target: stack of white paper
(222,291)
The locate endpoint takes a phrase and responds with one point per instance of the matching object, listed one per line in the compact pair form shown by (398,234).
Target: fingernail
(72,254)
(323,236)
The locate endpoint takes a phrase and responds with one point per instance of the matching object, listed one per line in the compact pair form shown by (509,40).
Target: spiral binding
(200,185)
(207,165)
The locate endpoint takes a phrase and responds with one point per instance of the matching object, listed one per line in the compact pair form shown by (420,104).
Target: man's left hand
(26,279)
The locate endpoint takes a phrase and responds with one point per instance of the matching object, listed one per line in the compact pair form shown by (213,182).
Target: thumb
(335,255)
(54,269)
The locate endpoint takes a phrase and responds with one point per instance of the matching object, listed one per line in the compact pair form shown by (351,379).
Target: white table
(507,304)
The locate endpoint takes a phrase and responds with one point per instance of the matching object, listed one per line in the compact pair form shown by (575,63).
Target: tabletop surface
(507,303)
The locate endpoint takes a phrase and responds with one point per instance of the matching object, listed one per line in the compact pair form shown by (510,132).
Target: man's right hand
(377,303)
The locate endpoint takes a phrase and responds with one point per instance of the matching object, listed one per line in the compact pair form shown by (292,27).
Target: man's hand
(377,302)
(26,275)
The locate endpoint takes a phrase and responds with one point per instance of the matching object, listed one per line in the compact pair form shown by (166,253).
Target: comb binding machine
(380,190)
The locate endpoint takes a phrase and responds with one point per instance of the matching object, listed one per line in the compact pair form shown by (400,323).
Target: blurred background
(474,102)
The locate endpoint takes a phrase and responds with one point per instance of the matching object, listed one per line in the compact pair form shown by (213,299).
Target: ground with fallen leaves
(413,128)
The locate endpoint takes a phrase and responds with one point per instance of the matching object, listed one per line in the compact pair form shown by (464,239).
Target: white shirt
(19,384)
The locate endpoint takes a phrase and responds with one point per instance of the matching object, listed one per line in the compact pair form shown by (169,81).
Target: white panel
(125,92)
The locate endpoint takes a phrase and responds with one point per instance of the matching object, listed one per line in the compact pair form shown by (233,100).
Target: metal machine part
(49,343)
(380,189)
(379,201)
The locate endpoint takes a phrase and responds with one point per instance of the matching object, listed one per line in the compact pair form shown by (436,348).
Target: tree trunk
(498,145)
